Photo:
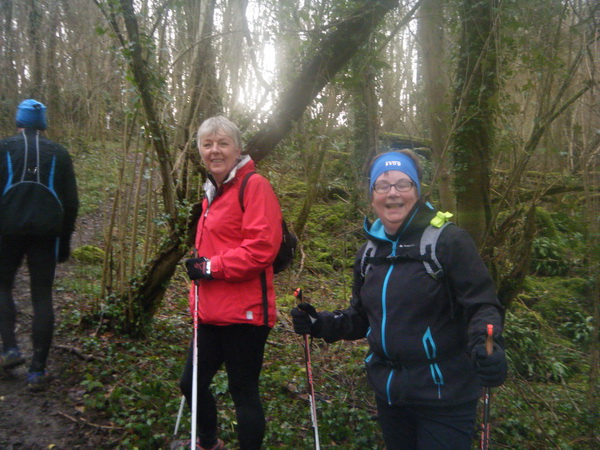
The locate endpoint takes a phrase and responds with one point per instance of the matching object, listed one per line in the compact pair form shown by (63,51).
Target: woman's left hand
(490,368)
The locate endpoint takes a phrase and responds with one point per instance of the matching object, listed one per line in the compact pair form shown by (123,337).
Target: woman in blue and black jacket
(426,328)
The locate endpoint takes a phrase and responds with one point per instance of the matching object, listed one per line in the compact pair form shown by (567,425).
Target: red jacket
(241,247)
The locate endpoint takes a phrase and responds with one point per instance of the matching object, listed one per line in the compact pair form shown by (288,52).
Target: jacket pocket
(389,380)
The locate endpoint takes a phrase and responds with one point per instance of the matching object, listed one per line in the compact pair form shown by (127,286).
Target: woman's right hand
(304,316)
(198,268)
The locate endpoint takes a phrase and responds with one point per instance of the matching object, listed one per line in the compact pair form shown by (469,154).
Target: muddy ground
(53,418)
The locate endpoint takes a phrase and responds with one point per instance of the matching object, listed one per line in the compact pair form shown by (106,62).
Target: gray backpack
(427,253)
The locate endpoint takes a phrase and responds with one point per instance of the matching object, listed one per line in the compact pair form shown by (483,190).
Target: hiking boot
(11,359)
(37,380)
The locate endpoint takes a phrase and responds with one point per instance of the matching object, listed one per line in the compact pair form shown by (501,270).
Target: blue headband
(394,161)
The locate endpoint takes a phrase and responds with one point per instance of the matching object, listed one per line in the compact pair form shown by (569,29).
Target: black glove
(198,268)
(490,368)
(64,248)
(304,317)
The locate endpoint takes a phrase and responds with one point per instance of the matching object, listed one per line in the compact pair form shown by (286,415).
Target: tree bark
(431,33)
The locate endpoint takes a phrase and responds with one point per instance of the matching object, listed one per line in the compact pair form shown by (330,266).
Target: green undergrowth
(541,415)
(96,167)
(135,385)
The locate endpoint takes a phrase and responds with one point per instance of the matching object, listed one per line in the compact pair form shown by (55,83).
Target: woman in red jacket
(236,300)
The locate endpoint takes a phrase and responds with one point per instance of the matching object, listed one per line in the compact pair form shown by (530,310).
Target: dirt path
(53,418)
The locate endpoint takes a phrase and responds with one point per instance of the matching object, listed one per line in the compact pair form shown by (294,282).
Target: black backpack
(28,206)
(289,241)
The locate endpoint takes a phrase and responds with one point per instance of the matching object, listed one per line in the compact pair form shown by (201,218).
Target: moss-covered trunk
(474,106)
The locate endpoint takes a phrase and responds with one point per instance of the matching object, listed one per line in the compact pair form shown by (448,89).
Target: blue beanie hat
(394,161)
(31,114)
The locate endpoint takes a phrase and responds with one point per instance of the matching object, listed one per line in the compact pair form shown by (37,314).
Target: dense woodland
(498,97)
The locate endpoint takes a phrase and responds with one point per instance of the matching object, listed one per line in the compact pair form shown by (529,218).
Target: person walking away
(426,327)
(38,209)
(236,247)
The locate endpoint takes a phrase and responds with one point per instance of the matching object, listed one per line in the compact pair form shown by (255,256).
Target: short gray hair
(220,125)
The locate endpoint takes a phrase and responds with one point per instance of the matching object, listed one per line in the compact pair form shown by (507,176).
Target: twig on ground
(79,353)
(91,424)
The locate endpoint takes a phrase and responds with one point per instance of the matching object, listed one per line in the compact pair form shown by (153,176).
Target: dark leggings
(240,348)
(41,261)
(427,427)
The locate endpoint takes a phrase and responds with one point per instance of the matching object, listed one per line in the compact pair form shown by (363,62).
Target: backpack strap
(365,261)
(243,188)
(263,275)
(427,247)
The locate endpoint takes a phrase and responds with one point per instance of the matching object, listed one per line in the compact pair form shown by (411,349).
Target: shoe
(11,359)
(37,380)
(182,444)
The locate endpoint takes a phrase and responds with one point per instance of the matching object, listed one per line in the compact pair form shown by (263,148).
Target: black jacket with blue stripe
(420,330)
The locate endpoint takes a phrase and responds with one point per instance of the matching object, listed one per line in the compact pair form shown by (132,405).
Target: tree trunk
(431,33)
(144,294)
(334,52)
(204,99)
(149,288)
(53,90)
(475,112)
(8,83)
(36,88)
(366,120)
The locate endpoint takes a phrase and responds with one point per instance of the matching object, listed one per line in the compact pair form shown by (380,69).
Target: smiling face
(220,154)
(393,207)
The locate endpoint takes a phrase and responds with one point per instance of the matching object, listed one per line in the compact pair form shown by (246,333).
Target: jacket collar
(210,185)
(415,222)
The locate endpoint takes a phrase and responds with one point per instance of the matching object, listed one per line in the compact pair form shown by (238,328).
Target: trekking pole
(195,369)
(181,405)
(311,386)
(485,432)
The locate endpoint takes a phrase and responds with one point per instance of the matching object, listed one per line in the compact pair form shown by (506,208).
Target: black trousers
(41,252)
(240,348)
(427,427)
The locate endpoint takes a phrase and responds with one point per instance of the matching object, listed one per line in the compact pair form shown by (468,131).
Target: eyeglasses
(383,187)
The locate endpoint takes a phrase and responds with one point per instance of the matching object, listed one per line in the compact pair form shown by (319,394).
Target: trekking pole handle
(489,340)
(312,312)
